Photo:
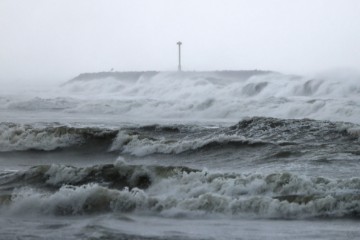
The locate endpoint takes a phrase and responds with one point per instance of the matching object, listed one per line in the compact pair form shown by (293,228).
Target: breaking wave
(176,192)
(175,139)
(201,95)
(141,146)
(22,137)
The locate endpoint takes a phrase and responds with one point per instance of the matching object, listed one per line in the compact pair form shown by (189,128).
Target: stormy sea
(181,155)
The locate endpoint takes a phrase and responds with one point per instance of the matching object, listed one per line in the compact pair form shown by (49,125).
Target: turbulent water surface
(192,155)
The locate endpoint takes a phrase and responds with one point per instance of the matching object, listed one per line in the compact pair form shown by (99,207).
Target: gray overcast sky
(53,39)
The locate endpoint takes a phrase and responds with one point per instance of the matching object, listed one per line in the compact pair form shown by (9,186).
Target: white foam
(75,200)
(195,96)
(23,137)
(355,131)
(142,146)
(64,174)
(199,193)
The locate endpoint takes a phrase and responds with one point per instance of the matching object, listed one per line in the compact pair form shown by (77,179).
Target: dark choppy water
(150,159)
(260,171)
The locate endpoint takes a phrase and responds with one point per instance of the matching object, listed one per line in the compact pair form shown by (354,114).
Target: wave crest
(175,190)
(21,137)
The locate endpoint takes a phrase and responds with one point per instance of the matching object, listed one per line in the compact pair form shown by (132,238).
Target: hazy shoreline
(134,75)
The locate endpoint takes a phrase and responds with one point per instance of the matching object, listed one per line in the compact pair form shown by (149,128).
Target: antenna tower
(179,67)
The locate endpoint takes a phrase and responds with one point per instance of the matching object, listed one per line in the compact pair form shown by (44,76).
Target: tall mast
(179,67)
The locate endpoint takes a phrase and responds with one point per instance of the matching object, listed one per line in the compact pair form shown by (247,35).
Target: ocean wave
(179,191)
(200,96)
(146,140)
(354,131)
(22,137)
(251,132)
(249,83)
(294,129)
(117,175)
(49,104)
(142,145)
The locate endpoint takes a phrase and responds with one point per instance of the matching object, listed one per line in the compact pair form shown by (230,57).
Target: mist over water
(196,96)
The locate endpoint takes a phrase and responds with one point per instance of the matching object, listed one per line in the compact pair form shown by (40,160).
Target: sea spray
(227,96)
(180,189)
